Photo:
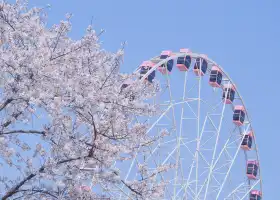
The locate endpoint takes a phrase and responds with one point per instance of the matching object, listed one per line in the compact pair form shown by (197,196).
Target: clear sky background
(241,35)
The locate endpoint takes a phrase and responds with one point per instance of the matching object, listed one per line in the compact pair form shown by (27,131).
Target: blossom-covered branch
(65,119)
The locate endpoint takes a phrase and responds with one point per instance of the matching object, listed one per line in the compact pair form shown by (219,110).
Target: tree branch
(94,127)
(34,191)
(23,131)
(15,189)
(6,20)
(70,160)
(117,62)
(15,115)
(129,187)
(6,103)
(64,54)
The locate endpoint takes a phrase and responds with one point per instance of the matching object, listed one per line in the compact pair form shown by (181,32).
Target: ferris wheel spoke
(157,165)
(229,157)
(187,192)
(214,169)
(158,148)
(179,139)
(201,149)
(250,189)
(241,191)
(191,191)
(198,133)
(171,100)
(138,150)
(215,149)
(193,165)
(235,191)
(231,164)
(186,146)
(160,174)
(213,124)
(153,151)
(221,153)
(170,141)
(204,159)
(187,185)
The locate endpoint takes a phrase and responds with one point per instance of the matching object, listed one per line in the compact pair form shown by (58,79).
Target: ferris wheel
(209,139)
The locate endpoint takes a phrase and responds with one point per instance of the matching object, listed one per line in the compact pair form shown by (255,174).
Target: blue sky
(242,36)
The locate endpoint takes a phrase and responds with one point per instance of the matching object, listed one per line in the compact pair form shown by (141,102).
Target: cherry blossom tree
(65,116)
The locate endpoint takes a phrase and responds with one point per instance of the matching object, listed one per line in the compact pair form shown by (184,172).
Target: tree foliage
(65,120)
